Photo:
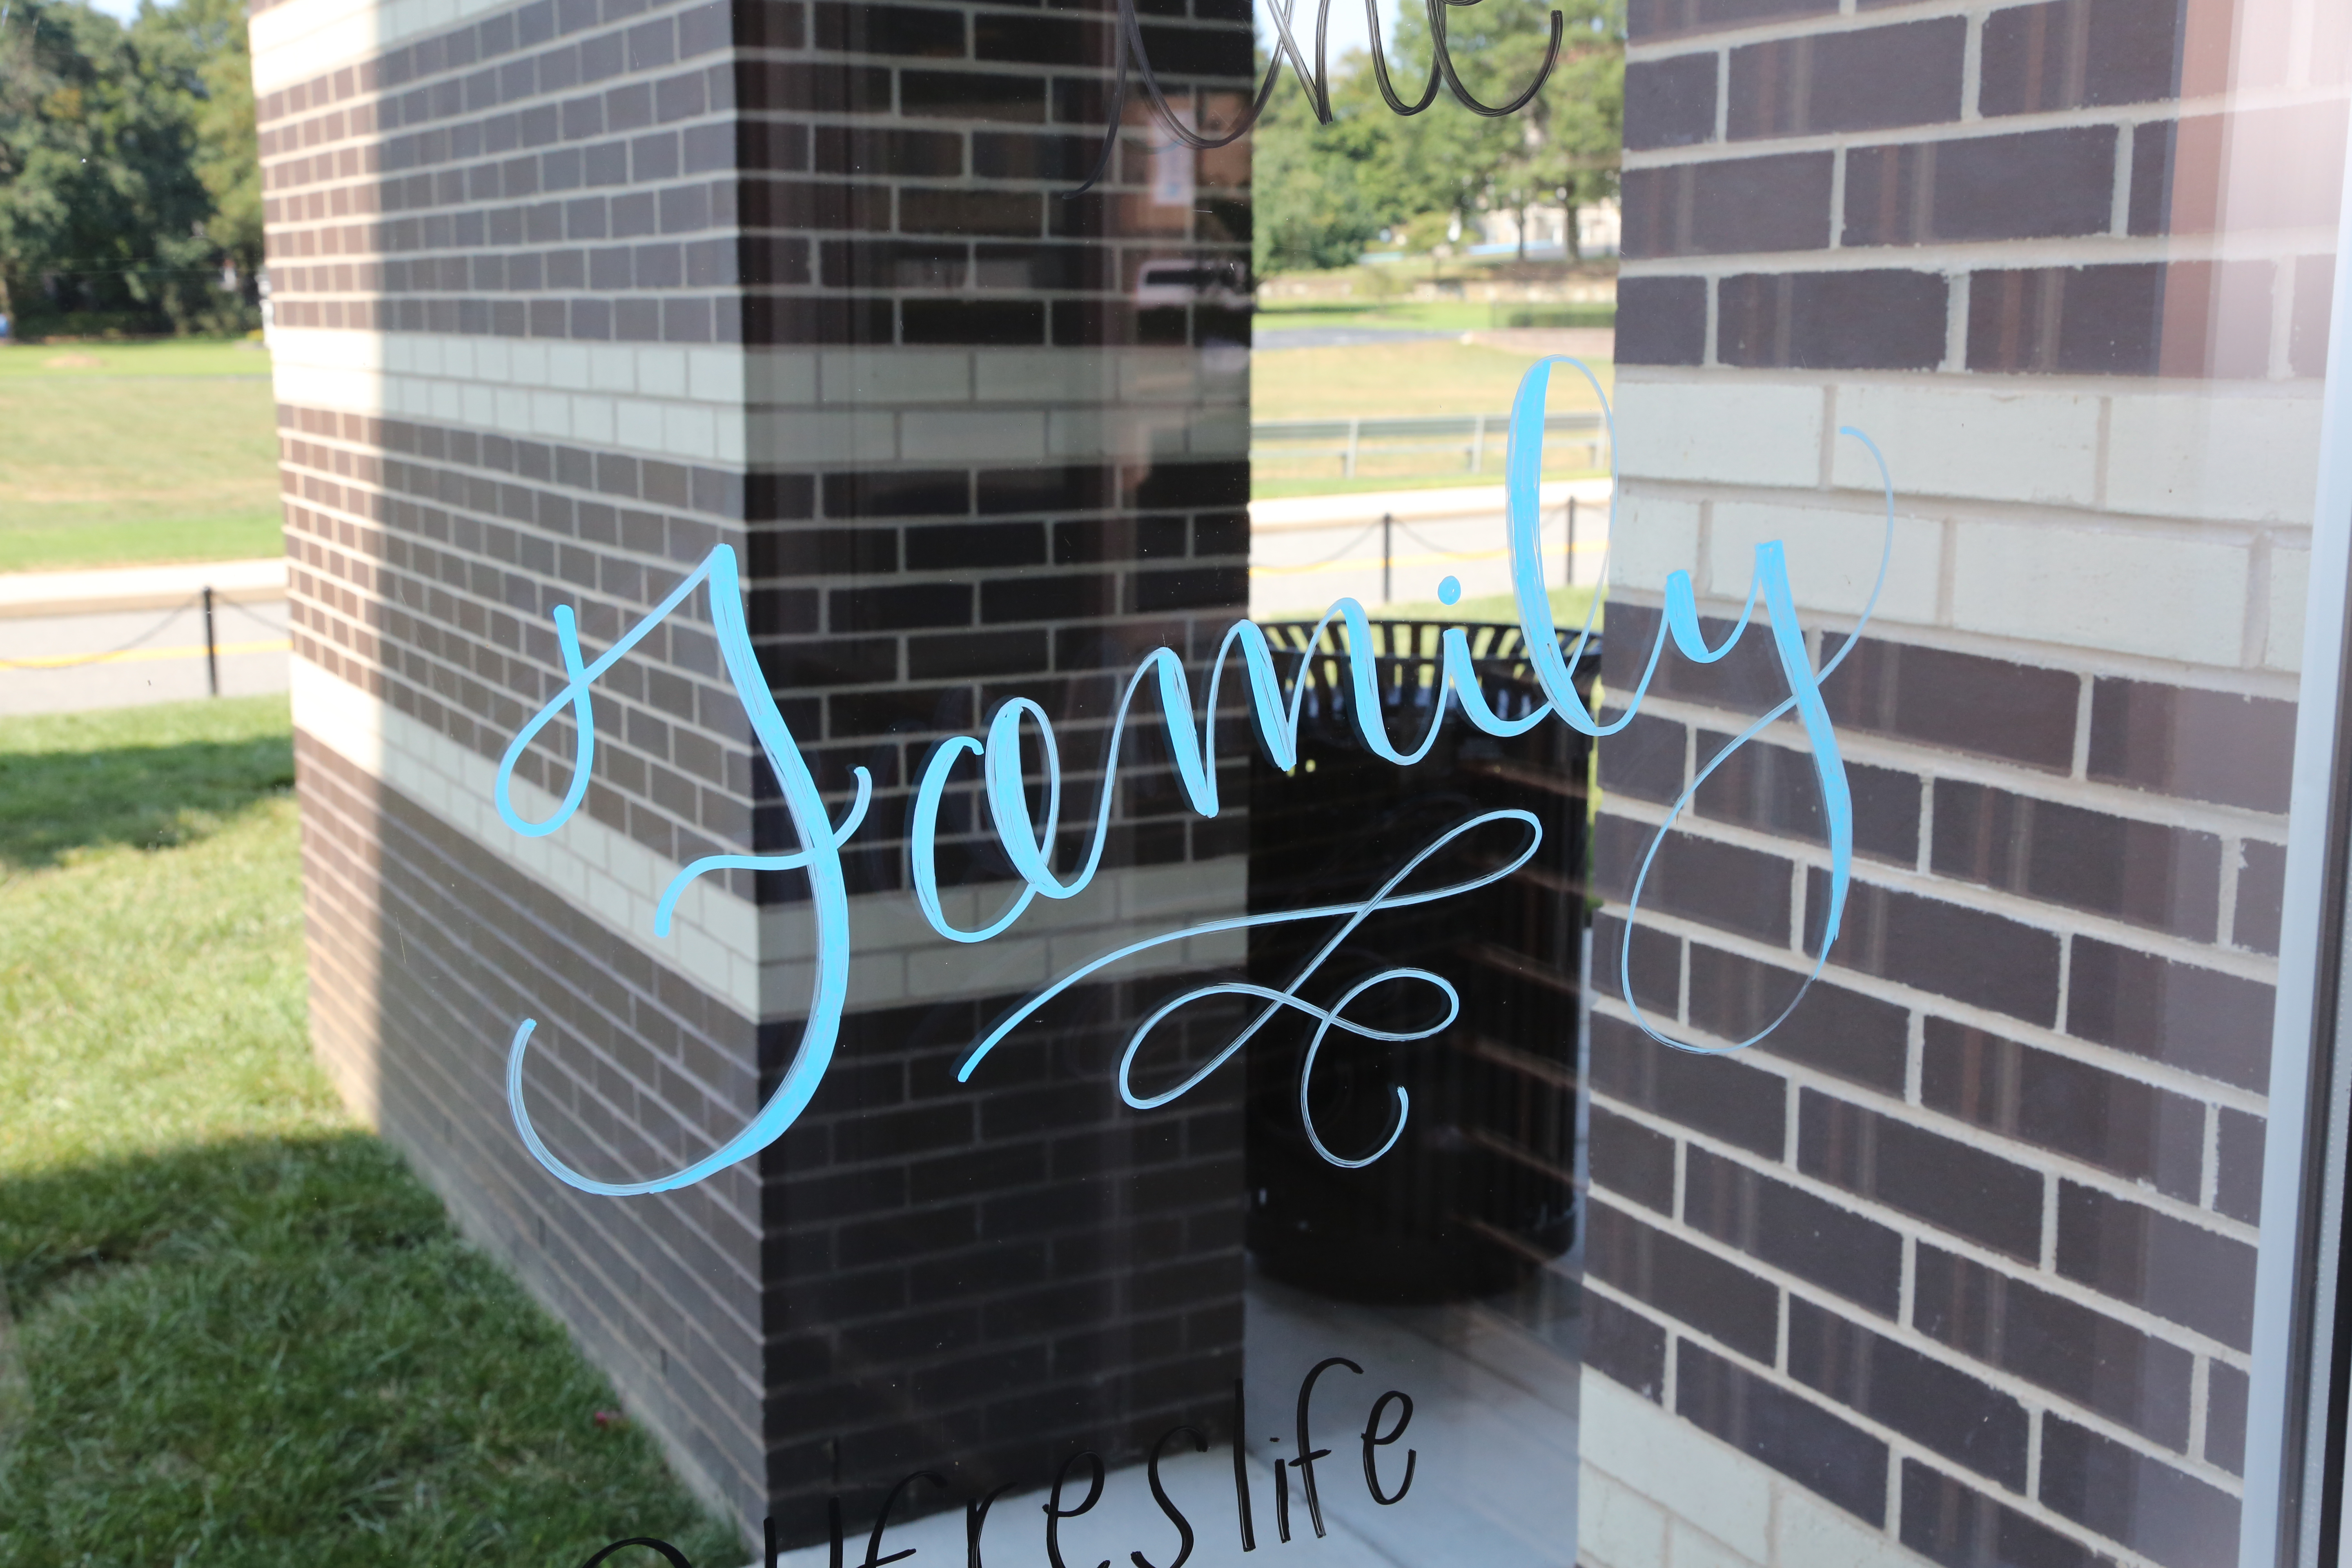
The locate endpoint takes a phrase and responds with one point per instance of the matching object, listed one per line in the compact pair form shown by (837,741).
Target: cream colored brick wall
(878,405)
(1653,1493)
(2163,527)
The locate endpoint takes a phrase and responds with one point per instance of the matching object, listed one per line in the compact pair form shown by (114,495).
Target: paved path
(1582,342)
(115,638)
(139,588)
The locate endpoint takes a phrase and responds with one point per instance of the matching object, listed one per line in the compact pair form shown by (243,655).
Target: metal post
(1478,445)
(1568,571)
(212,649)
(1388,557)
(1355,435)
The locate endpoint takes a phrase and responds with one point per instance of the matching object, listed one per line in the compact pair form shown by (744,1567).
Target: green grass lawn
(247,1335)
(1282,485)
(171,356)
(1379,380)
(1427,377)
(117,453)
(1426,315)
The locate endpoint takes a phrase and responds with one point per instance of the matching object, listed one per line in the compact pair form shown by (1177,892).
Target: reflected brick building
(567,293)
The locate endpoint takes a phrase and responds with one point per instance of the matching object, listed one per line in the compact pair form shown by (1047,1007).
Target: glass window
(1715,987)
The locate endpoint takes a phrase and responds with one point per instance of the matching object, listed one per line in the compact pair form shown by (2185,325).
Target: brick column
(1960,1265)
(567,293)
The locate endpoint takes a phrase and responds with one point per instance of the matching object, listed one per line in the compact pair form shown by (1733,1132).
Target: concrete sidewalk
(72,641)
(116,588)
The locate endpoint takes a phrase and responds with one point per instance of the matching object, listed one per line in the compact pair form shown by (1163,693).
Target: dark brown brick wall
(680,176)
(428,559)
(1957,173)
(982,1279)
(1800,1153)
(547,171)
(2033,1057)
(424,954)
(978,1278)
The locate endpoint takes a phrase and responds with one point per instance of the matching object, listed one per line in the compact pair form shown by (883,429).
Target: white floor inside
(1494,1385)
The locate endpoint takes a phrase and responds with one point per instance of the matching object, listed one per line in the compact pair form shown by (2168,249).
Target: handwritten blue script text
(1027,836)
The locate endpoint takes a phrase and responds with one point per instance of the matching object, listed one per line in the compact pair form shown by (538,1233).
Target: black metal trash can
(1479,1189)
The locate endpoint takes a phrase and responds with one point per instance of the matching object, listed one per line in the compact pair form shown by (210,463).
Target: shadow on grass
(271,1349)
(135,776)
(279,1351)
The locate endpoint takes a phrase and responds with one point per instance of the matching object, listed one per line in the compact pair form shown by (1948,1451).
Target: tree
(1584,119)
(1443,159)
(1309,205)
(127,171)
(1373,168)
(205,45)
(1563,145)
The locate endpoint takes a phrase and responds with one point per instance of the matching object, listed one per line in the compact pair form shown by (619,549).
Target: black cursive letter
(676,1558)
(1307,1452)
(1159,1495)
(1373,1440)
(975,1519)
(1055,1513)
(874,1558)
(1126,48)
(1241,1469)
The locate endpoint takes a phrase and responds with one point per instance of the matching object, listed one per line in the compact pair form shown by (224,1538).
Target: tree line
(130,180)
(1322,194)
(130,198)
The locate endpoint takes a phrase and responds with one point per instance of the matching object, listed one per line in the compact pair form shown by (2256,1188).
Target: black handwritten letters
(1314,79)
(1020,729)
(1059,1508)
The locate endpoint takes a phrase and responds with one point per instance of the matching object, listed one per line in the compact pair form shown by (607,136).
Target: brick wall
(1958,1265)
(565,295)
